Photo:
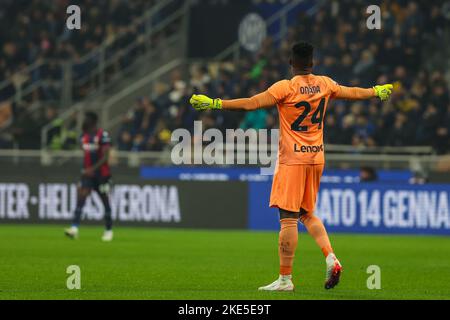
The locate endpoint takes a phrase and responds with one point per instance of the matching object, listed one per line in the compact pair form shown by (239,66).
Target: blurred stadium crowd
(32,31)
(418,113)
(35,45)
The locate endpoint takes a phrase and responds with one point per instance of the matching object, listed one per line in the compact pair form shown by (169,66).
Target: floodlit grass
(187,264)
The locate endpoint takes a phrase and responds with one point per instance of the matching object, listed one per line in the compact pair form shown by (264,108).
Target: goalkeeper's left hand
(383,92)
(202,102)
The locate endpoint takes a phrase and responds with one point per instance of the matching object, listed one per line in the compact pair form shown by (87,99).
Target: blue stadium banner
(366,208)
(200,173)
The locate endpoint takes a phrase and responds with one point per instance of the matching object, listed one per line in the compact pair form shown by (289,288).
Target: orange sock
(317,230)
(287,244)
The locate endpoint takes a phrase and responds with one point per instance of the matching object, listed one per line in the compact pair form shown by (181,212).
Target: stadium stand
(34,55)
(418,114)
(39,34)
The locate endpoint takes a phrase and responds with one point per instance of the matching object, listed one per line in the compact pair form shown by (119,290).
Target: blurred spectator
(255,119)
(368,174)
(418,177)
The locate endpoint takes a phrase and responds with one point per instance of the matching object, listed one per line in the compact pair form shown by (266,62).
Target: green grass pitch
(186,264)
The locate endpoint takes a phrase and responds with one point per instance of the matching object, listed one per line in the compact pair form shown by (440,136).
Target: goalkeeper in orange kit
(302,103)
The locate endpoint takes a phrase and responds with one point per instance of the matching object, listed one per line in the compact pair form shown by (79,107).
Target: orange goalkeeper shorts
(295,187)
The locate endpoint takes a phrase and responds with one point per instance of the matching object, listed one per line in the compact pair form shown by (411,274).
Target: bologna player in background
(95,175)
(302,102)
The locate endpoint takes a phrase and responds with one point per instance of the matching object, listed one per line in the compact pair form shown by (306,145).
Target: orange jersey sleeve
(349,93)
(262,100)
(354,93)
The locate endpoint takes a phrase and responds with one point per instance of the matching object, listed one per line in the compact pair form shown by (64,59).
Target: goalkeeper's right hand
(383,92)
(201,102)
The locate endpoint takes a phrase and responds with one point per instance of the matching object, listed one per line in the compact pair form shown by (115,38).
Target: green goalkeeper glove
(383,92)
(201,102)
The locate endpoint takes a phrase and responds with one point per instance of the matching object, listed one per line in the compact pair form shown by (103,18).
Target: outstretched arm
(354,93)
(262,100)
(267,99)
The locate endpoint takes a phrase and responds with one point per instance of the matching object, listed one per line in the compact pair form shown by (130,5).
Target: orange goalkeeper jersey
(302,104)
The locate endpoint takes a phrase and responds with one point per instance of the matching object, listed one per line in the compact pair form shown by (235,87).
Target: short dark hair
(92,116)
(302,55)
(90,119)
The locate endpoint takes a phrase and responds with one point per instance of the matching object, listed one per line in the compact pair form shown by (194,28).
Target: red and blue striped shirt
(93,145)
